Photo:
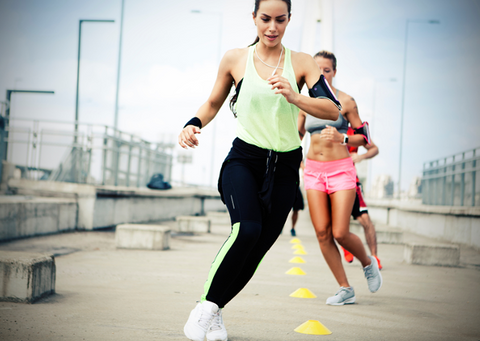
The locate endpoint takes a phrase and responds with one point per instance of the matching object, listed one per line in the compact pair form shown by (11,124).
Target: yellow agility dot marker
(303,293)
(295,271)
(295,241)
(300,252)
(313,327)
(297,247)
(296,260)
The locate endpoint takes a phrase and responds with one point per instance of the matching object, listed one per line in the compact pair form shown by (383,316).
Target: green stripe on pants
(219,258)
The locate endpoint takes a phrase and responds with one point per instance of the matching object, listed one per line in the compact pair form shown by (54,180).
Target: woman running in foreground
(259,177)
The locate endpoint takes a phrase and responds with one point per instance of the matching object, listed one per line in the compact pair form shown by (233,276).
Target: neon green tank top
(266,119)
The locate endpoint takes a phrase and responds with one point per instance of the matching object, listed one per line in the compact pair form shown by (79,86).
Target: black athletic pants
(257,219)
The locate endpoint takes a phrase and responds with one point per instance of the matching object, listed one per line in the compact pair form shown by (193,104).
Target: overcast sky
(170,58)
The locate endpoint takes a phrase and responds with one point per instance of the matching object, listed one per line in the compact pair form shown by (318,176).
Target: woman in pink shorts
(330,181)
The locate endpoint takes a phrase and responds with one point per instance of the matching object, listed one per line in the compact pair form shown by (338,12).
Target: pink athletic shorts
(330,176)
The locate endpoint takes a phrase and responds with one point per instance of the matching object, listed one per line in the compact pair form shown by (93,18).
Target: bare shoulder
(234,55)
(306,70)
(302,59)
(348,102)
(234,62)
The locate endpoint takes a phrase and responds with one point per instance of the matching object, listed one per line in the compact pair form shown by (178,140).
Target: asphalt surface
(107,294)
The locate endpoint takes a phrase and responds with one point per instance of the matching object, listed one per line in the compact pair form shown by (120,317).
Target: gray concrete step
(26,277)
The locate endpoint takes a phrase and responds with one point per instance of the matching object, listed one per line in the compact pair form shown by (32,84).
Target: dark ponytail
(256,41)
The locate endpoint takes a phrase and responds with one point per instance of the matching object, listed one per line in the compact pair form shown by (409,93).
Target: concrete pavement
(108,294)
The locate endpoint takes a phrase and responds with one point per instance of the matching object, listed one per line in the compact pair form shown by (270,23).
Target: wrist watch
(345,139)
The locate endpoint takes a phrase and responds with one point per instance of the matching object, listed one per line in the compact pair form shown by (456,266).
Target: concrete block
(389,237)
(139,236)
(442,255)
(193,224)
(219,218)
(25,276)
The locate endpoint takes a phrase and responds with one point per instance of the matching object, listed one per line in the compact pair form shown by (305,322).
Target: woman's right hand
(187,137)
(331,134)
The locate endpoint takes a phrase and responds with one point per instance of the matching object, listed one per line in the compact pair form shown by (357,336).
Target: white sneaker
(217,330)
(199,320)
(343,296)
(373,275)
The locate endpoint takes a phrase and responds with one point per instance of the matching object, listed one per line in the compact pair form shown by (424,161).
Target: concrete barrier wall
(121,205)
(43,207)
(26,216)
(84,196)
(452,224)
(114,211)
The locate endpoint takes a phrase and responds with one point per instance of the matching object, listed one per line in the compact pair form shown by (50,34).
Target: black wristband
(194,122)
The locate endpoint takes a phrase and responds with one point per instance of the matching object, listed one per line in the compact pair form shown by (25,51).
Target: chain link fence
(93,154)
(453,180)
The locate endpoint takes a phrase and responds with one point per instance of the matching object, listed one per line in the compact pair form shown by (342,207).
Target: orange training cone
(313,327)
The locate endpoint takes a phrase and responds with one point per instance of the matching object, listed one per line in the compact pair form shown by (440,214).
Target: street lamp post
(220,15)
(403,95)
(115,122)
(78,70)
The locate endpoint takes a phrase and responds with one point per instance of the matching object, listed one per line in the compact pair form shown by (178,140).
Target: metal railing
(101,155)
(453,180)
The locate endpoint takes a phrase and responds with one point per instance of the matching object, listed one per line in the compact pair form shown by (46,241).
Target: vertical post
(139,168)
(424,185)
(452,198)
(435,182)
(2,144)
(115,123)
(105,146)
(444,186)
(129,160)
(40,144)
(78,82)
(215,122)
(116,152)
(147,170)
(89,150)
(75,133)
(403,109)
(403,96)
(7,124)
(462,181)
(474,174)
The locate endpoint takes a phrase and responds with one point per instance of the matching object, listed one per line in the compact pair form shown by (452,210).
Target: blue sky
(170,55)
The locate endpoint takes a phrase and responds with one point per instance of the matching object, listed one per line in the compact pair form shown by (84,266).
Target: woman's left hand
(331,134)
(283,87)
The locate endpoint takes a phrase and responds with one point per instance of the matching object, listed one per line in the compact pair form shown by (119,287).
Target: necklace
(274,67)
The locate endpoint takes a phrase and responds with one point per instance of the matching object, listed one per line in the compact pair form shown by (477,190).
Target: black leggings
(253,230)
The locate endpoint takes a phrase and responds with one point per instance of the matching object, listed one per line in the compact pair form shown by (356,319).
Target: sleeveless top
(266,119)
(315,125)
